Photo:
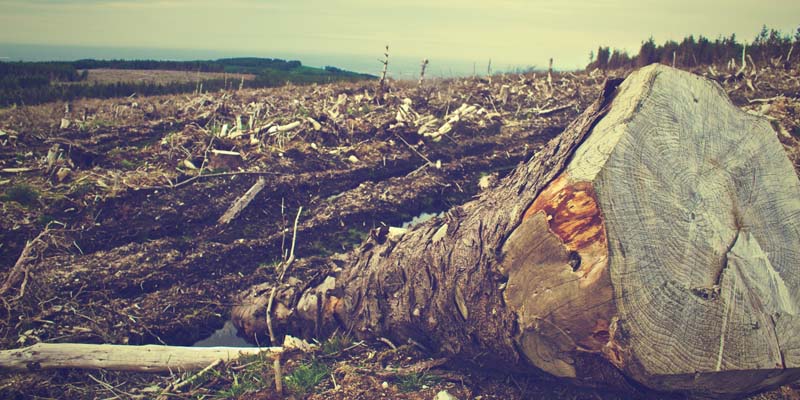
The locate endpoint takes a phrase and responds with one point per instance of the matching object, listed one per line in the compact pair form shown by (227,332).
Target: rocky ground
(111,227)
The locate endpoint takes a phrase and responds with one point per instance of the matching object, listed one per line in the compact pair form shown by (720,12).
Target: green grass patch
(256,376)
(335,344)
(354,236)
(271,266)
(127,164)
(239,386)
(81,189)
(415,382)
(23,194)
(44,219)
(306,376)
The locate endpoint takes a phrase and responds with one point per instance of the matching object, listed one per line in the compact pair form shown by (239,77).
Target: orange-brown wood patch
(572,212)
(573,215)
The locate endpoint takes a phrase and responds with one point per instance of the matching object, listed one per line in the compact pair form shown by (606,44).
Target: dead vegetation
(115,230)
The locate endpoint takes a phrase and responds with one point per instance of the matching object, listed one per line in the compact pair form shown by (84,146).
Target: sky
(452,34)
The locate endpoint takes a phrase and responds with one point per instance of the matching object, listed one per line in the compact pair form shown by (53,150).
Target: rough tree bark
(656,240)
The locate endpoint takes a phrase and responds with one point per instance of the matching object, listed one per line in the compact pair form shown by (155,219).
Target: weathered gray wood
(679,254)
(242,202)
(702,209)
(149,358)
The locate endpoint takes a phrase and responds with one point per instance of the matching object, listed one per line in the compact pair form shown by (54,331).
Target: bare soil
(130,196)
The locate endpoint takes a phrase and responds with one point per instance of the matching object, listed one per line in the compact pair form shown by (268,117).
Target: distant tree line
(56,92)
(768,45)
(23,75)
(40,82)
(248,65)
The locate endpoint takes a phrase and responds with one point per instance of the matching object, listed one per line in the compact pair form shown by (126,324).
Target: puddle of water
(225,336)
(419,219)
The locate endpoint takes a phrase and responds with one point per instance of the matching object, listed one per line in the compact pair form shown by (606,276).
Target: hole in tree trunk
(574,260)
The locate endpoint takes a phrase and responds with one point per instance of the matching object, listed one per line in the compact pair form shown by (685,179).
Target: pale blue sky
(510,32)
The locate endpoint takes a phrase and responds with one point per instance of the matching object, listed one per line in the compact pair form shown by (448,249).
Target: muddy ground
(120,200)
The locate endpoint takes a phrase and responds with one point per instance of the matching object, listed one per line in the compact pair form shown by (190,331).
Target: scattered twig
(291,251)
(207,176)
(272,338)
(388,342)
(107,386)
(423,66)
(741,70)
(382,82)
(344,350)
(415,150)
(753,63)
(242,202)
(271,301)
(226,153)
(419,367)
(205,156)
(553,110)
(20,270)
(178,385)
(765,100)
(18,170)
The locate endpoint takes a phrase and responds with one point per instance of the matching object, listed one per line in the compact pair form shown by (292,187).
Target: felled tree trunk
(657,238)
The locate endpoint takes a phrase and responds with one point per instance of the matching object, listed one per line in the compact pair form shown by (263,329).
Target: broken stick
(242,202)
(19,273)
(548,111)
(422,67)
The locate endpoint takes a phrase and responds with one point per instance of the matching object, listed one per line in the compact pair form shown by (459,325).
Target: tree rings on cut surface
(670,245)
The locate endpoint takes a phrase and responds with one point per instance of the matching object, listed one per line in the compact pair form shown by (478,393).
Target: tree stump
(670,244)
(657,238)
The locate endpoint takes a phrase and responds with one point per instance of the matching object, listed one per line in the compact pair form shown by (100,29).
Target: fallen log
(655,240)
(148,358)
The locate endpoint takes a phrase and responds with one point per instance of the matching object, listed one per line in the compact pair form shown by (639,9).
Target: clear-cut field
(132,190)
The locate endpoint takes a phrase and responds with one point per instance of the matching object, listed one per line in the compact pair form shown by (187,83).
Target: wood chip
(288,127)
(17,170)
(63,173)
(226,153)
(317,125)
(188,164)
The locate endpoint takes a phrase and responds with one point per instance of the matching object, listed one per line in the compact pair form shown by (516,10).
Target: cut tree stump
(656,240)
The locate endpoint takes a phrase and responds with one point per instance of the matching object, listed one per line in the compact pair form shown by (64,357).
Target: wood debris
(242,202)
